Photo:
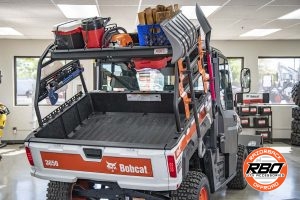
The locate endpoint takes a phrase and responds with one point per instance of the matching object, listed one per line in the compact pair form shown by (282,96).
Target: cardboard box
(160,8)
(142,19)
(161,16)
(171,10)
(176,8)
(154,11)
(158,14)
(149,17)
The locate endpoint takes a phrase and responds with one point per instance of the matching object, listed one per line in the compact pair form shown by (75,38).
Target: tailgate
(141,169)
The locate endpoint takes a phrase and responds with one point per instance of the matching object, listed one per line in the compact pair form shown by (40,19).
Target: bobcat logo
(111,166)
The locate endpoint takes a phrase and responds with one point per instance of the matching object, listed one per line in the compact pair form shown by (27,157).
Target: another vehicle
(120,143)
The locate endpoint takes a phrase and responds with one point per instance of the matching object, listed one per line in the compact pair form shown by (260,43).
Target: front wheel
(239,182)
(195,186)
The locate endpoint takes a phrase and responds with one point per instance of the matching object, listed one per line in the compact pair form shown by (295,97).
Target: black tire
(295,139)
(61,191)
(295,126)
(191,187)
(239,182)
(296,93)
(296,113)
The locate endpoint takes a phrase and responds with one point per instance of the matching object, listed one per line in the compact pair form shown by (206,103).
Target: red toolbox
(153,63)
(244,111)
(93,30)
(264,134)
(68,35)
(245,122)
(252,110)
(260,122)
(265,110)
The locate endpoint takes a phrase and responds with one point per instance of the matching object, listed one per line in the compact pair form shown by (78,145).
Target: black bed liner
(137,128)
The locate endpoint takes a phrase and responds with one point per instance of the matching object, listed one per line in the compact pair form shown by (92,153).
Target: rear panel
(131,168)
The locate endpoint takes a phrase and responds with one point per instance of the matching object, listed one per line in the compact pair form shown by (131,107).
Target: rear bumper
(136,183)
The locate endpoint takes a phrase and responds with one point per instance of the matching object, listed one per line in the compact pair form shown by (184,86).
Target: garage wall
(251,50)
(21,116)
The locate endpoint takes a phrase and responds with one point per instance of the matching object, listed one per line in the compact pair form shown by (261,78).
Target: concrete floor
(17,184)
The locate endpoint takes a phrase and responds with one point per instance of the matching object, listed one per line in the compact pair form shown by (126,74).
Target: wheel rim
(203,194)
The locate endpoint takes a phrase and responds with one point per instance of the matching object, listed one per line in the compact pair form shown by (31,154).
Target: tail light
(172,166)
(29,156)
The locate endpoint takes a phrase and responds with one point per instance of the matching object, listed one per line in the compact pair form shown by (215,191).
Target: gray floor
(17,184)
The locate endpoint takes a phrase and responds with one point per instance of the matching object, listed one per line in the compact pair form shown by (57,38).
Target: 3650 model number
(51,163)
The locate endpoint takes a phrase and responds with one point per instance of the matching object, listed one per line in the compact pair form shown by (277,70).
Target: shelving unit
(259,117)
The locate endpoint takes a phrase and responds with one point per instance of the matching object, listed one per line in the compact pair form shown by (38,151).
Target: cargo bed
(115,119)
(128,127)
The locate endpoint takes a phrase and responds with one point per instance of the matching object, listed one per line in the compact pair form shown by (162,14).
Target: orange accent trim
(107,165)
(190,133)
(186,100)
(205,78)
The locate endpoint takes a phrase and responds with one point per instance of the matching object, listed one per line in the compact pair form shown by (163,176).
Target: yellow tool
(3,115)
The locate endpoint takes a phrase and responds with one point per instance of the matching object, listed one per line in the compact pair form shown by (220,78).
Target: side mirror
(245,79)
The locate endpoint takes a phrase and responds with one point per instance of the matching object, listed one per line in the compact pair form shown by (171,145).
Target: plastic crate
(152,35)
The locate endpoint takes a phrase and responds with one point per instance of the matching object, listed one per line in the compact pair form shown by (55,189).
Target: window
(118,77)
(277,77)
(226,95)
(236,64)
(25,80)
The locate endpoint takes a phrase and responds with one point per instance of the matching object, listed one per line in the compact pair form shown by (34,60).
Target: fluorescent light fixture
(78,11)
(9,31)
(292,15)
(259,32)
(190,12)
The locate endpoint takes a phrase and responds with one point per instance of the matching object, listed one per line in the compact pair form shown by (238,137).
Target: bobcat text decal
(107,165)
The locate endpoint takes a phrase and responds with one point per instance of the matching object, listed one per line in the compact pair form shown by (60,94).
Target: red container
(93,38)
(153,63)
(93,30)
(68,35)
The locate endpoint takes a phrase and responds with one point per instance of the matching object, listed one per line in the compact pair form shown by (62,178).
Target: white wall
(251,50)
(21,116)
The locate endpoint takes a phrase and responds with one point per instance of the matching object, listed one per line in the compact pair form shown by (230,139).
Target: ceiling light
(190,11)
(292,15)
(79,11)
(259,32)
(9,31)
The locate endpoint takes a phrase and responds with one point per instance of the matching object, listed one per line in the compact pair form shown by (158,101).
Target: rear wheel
(64,191)
(296,93)
(295,126)
(295,139)
(239,182)
(195,186)
(296,113)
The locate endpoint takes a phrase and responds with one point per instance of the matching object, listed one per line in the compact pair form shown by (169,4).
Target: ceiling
(35,18)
